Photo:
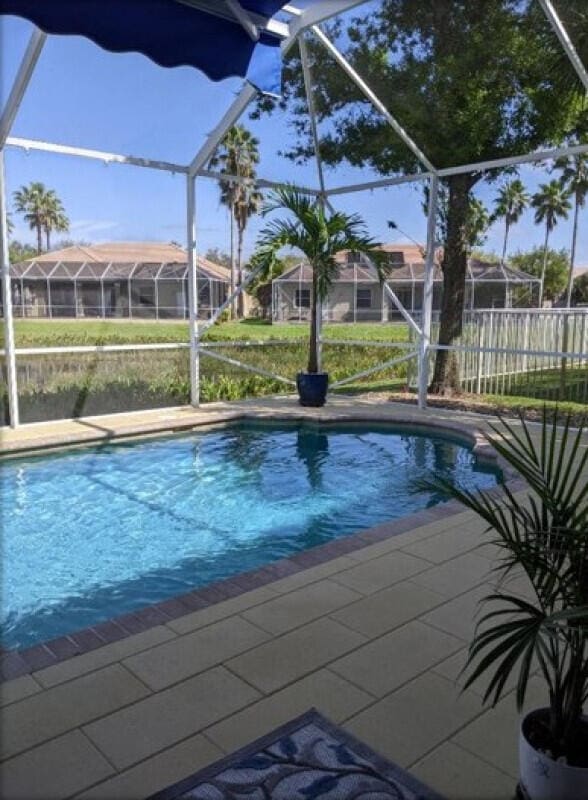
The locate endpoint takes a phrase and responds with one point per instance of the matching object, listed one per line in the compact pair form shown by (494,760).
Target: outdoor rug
(305,759)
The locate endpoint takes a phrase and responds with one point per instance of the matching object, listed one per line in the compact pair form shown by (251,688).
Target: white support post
(372,97)
(7,118)
(425,338)
(9,345)
(192,290)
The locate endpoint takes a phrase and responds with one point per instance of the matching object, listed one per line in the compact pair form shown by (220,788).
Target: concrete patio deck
(374,639)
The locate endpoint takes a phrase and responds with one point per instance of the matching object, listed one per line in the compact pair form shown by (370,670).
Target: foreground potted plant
(320,236)
(547,540)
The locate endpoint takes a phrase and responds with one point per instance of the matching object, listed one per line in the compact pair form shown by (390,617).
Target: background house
(145,280)
(357,296)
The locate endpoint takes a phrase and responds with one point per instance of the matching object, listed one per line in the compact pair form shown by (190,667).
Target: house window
(204,295)
(302,298)
(147,295)
(364,298)
(396,258)
(353,257)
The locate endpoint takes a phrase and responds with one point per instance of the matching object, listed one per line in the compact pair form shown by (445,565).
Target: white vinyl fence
(540,353)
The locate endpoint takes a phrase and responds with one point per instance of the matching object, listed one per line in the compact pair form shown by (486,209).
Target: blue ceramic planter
(312,388)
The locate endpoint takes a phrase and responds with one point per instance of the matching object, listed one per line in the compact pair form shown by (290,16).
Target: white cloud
(82,228)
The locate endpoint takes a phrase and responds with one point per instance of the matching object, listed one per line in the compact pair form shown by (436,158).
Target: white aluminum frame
(302,20)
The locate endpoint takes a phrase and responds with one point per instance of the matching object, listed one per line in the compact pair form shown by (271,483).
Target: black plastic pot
(312,388)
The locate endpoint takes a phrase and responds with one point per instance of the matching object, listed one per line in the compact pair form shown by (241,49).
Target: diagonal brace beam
(565,40)
(244,19)
(311,110)
(372,97)
(317,12)
(237,107)
(21,82)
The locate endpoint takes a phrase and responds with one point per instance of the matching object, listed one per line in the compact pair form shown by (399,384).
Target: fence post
(479,365)
(425,337)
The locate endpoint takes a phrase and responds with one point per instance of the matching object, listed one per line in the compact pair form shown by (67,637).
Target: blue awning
(170,32)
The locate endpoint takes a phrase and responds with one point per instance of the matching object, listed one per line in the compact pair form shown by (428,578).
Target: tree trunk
(39,240)
(240,299)
(573,253)
(313,365)
(544,267)
(566,331)
(232,286)
(504,245)
(454,265)
(48,237)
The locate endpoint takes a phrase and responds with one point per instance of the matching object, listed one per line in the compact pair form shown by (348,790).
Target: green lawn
(53,386)
(47,333)
(72,384)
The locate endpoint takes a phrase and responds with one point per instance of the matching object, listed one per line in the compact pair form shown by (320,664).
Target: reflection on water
(94,533)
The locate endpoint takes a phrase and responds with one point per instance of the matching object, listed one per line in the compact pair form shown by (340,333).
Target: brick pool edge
(16,663)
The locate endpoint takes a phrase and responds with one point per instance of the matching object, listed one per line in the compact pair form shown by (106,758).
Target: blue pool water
(91,534)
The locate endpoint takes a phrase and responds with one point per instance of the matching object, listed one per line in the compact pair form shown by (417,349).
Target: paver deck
(373,639)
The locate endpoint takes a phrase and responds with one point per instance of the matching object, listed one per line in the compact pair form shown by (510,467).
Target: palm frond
(546,539)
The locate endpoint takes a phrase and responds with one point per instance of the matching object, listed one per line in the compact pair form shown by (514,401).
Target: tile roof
(413,268)
(116,261)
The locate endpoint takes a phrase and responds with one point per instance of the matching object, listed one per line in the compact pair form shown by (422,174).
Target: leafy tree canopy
(18,251)
(218,256)
(468,81)
(489,256)
(63,243)
(580,289)
(556,270)
(477,222)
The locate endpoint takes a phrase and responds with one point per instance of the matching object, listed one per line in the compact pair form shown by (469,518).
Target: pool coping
(94,431)
(15,663)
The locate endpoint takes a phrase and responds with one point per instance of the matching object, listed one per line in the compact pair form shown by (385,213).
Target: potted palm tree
(546,539)
(320,236)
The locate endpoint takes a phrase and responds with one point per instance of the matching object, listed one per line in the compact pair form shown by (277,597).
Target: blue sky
(81,95)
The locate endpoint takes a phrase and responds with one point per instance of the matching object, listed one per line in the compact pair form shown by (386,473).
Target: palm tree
(29,201)
(237,155)
(42,209)
(510,203)
(248,203)
(551,203)
(320,237)
(574,181)
(55,218)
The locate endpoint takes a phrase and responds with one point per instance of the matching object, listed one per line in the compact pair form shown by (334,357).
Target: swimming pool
(90,534)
